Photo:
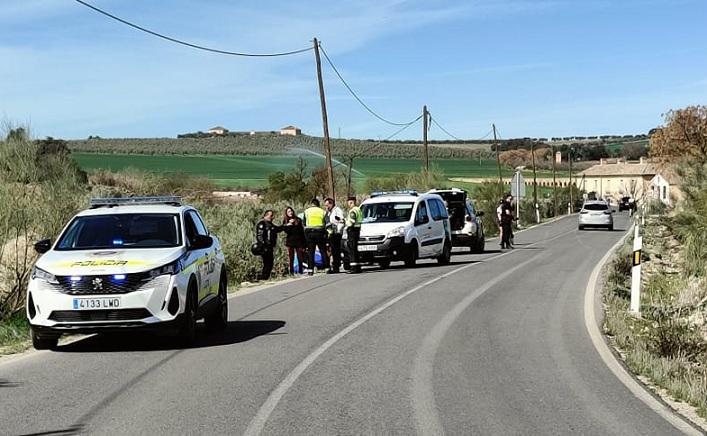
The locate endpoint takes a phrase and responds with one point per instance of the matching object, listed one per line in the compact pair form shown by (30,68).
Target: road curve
(491,344)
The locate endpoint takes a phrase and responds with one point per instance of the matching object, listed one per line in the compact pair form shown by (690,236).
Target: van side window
(421,215)
(437,210)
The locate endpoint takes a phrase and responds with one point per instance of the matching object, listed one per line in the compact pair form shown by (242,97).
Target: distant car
(596,213)
(465,220)
(141,263)
(624,203)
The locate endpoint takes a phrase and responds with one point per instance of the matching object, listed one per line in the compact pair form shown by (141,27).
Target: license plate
(367,247)
(96,303)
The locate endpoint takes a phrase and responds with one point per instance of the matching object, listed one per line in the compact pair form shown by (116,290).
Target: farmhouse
(291,130)
(619,179)
(218,130)
(665,186)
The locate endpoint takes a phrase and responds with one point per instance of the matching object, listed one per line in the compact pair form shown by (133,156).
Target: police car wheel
(187,332)
(219,319)
(43,342)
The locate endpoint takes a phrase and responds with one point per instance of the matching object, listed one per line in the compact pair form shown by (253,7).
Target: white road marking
(257,424)
(427,419)
(597,337)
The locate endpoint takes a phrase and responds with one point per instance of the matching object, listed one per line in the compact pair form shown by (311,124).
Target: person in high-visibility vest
(354,218)
(315,234)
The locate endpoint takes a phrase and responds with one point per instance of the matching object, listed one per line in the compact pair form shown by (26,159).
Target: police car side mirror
(43,246)
(201,242)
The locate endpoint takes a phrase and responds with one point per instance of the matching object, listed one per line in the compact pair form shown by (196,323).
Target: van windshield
(127,230)
(387,212)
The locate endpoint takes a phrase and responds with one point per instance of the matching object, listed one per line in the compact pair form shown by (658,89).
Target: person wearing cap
(334,222)
(315,233)
(354,218)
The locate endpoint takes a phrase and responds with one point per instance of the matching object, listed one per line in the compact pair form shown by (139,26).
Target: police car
(465,220)
(403,225)
(128,263)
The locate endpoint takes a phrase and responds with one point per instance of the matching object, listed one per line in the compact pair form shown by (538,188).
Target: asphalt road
(491,344)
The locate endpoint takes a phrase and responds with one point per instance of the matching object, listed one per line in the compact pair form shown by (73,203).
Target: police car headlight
(398,231)
(40,274)
(169,269)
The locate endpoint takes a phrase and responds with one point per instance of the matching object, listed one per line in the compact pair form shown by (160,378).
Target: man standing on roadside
(354,218)
(266,235)
(507,222)
(334,222)
(315,234)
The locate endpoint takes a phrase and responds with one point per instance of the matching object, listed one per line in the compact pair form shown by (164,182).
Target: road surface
(491,344)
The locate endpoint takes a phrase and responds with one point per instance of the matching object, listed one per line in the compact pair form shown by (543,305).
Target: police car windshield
(387,212)
(127,230)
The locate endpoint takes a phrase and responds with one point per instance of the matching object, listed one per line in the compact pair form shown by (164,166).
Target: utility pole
(535,185)
(424,140)
(325,122)
(570,206)
(554,183)
(498,160)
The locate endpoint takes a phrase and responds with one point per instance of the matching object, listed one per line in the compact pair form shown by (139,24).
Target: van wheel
(187,331)
(44,342)
(446,255)
(384,264)
(219,319)
(411,258)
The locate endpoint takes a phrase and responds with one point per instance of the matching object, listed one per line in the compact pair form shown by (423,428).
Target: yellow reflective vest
(354,218)
(314,218)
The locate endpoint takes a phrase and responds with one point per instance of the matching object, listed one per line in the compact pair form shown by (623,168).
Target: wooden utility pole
(535,185)
(571,205)
(554,183)
(424,140)
(325,122)
(498,159)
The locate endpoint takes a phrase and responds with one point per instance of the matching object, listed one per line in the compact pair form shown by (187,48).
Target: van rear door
(456,205)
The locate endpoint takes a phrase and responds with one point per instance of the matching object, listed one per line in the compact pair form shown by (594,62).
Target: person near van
(266,236)
(354,218)
(295,241)
(499,220)
(507,222)
(334,222)
(315,233)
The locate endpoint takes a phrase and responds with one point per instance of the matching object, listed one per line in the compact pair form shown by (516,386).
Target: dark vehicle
(465,220)
(624,203)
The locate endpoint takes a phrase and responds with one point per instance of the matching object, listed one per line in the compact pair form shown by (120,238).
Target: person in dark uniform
(507,222)
(354,218)
(315,234)
(266,236)
(295,241)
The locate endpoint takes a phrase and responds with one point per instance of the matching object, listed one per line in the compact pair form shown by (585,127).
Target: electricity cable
(365,106)
(189,44)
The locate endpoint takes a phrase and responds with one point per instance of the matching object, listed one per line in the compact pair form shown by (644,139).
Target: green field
(230,171)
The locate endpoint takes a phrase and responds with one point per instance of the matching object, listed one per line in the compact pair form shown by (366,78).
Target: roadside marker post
(636,272)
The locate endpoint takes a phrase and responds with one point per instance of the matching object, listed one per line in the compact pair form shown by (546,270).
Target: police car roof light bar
(131,201)
(402,192)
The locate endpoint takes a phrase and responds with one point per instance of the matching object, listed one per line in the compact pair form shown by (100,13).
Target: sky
(535,68)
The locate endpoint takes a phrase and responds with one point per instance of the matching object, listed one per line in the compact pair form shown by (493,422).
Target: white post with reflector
(636,272)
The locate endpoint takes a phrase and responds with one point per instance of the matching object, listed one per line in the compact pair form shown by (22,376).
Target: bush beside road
(667,344)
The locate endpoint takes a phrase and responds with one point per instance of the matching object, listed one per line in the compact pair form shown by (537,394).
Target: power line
(399,131)
(457,138)
(188,44)
(371,111)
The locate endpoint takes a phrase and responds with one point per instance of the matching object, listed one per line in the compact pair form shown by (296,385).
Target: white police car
(128,263)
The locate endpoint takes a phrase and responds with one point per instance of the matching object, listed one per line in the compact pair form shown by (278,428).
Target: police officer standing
(315,234)
(354,218)
(334,226)
(266,236)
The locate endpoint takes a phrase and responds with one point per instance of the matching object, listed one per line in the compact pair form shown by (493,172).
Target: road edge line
(615,365)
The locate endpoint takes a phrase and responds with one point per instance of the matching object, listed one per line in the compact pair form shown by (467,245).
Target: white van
(404,226)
